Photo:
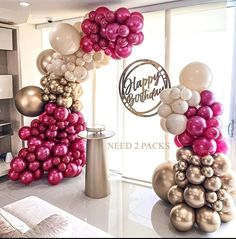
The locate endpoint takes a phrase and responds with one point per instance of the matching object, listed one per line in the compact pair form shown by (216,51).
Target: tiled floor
(130,210)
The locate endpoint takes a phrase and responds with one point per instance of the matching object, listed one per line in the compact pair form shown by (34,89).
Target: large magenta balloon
(134,23)
(204,146)
(18,164)
(42,153)
(185,139)
(122,14)
(55,177)
(123,51)
(214,122)
(35,141)
(207,97)
(217,108)
(177,143)
(196,126)
(212,133)
(59,150)
(205,112)
(13,175)
(222,146)
(61,113)
(26,177)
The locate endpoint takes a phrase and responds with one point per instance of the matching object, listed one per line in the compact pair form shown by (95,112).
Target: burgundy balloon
(214,122)
(134,23)
(138,14)
(103,22)
(18,164)
(110,16)
(102,10)
(94,28)
(76,154)
(207,97)
(85,26)
(94,38)
(35,141)
(133,38)
(24,133)
(112,31)
(56,161)
(212,133)
(92,15)
(86,44)
(71,170)
(204,146)
(78,145)
(103,43)
(217,108)
(13,175)
(55,176)
(122,42)
(47,165)
(38,174)
(59,150)
(35,123)
(32,148)
(192,111)
(140,38)
(70,129)
(42,153)
(23,152)
(50,108)
(42,128)
(51,121)
(62,135)
(45,120)
(66,159)
(122,14)
(49,144)
(26,177)
(205,112)
(50,134)
(185,139)
(33,166)
(123,31)
(96,47)
(98,18)
(62,167)
(72,137)
(34,132)
(53,128)
(30,157)
(196,126)
(65,141)
(123,51)
(61,113)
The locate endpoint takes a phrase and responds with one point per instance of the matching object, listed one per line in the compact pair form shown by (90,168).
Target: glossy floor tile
(130,211)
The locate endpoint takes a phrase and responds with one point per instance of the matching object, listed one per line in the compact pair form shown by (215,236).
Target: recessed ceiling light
(24,4)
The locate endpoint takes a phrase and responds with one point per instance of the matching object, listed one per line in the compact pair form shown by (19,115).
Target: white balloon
(195,99)
(181,87)
(70,66)
(89,66)
(70,58)
(49,68)
(176,123)
(163,124)
(80,61)
(56,55)
(79,53)
(196,76)
(175,93)
(98,56)
(64,68)
(56,65)
(69,76)
(164,110)
(186,94)
(80,72)
(77,26)
(87,57)
(179,106)
(165,96)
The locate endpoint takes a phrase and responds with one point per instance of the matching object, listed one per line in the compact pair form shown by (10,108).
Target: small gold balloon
(44,81)
(163,180)
(43,59)
(183,183)
(213,183)
(182,165)
(222,194)
(211,197)
(175,195)
(228,204)
(207,160)
(67,89)
(221,164)
(29,101)
(194,196)
(77,106)
(52,86)
(65,102)
(176,167)
(66,94)
(60,89)
(217,206)
(184,153)
(207,171)
(194,175)
(228,181)
(227,216)
(46,91)
(195,160)
(52,97)
(63,81)
(182,217)
(207,219)
(180,176)
(45,97)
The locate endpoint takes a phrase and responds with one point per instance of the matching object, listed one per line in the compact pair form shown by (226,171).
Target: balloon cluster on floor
(200,184)
(114,32)
(53,146)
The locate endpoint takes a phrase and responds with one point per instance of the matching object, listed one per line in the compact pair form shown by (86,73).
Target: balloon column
(201,182)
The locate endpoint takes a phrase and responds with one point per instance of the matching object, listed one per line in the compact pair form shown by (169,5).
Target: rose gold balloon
(182,217)
(227,216)
(207,171)
(194,196)
(195,160)
(220,165)
(184,153)
(183,165)
(207,219)
(180,176)
(207,160)
(175,195)
(213,183)
(163,179)
(194,175)
(211,197)
(183,183)
(29,101)
(228,181)
(43,59)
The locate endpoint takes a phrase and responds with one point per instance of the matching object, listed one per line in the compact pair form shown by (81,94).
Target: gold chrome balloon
(43,59)
(207,160)
(183,183)
(213,183)
(65,102)
(77,106)
(44,81)
(228,181)
(163,179)
(227,216)
(184,153)
(182,165)
(211,197)
(29,101)
(207,171)
(195,160)
(194,196)
(52,97)
(52,86)
(175,195)
(194,175)
(220,165)
(207,219)
(63,81)
(180,176)
(45,98)
(228,204)
(182,217)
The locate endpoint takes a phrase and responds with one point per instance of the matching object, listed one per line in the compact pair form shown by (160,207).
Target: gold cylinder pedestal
(97,183)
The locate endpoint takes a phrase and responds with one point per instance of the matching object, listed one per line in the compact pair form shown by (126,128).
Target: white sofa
(33,210)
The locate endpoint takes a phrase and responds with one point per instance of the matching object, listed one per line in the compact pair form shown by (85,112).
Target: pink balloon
(61,113)
(94,37)
(71,170)
(61,125)
(56,161)
(62,167)
(72,137)
(138,14)
(85,26)
(103,32)
(212,133)
(134,23)
(192,111)
(123,31)
(62,135)
(103,43)
(66,142)
(177,143)
(47,165)
(204,146)
(30,157)
(102,10)
(35,123)
(196,126)
(32,148)
(86,44)
(217,108)
(96,47)
(55,176)
(50,108)
(45,120)
(123,51)
(24,133)
(92,15)
(103,22)
(49,144)
(42,128)
(94,27)
(122,14)
(122,42)
(38,174)
(112,31)
(110,16)
(13,175)
(66,159)
(140,38)
(207,97)
(76,154)
(34,132)
(222,146)
(185,139)
(133,38)
(42,153)
(26,177)
(35,141)
(33,166)
(53,128)
(18,164)
(59,150)
(70,129)
(51,120)
(78,145)
(205,112)
(214,122)
(50,134)
(99,17)
(23,152)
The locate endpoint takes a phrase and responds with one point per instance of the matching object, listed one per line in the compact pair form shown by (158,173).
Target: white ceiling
(39,10)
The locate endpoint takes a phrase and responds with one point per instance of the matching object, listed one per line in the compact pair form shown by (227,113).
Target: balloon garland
(52,142)
(200,184)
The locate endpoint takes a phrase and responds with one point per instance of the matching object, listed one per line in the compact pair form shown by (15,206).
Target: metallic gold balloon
(194,175)
(60,89)
(207,171)
(65,102)
(180,176)
(211,197)
(213,183)
(228,204)
(184,153)
(228,181)
(195,160)
(175,195)
(220,165)
(52,97)
(222,194)
(176,167)
(207,219)
(194,196)
(77,106)
(63,81)
(163,179)
(182,184)
(182,217)
(207,160)
(227,216)
(66,94)
(43,59)
(44,81)
(52,86)
(46,91)
(29,101)
(217,206)
(67,89)
(45,98)
(182,165)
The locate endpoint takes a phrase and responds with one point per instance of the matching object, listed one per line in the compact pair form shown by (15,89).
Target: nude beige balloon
(207,219)
(175,195)
(29,101)
(196,76)
(163,179)
(43,59)
(182,217)
(64,38)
